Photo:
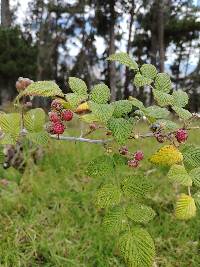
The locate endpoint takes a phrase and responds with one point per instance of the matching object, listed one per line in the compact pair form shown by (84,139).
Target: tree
(5,13)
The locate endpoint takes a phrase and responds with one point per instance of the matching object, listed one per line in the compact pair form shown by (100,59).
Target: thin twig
(81,139)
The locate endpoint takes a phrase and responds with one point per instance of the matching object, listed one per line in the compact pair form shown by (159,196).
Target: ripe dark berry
(54,117)
(133,163)
(58,128)
(67,115)
(181,135)
(56,105)
(159,137)
(139,155)
(123,150)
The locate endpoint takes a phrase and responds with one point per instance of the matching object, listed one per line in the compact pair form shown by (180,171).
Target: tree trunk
(161,35)
(127,74)
(112,68)
(5,13)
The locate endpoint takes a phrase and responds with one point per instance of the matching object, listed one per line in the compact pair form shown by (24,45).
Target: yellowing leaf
(185,207)
(82,107)
(167,155)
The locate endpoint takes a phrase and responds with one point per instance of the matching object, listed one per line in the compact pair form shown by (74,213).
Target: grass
(49,219)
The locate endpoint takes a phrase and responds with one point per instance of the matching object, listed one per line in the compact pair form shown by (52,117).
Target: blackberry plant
(124,193)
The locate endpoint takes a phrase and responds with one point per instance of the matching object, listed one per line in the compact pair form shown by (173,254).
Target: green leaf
(103,112)
(191,156)
(137,248)
(148,71)
(136,186)
(178,174)
(89,118)
(124,59)
(74,99)
(121,129)
(38,138)
(42,88)
(78,86)
(122,108)
(100,94)
(10,125)
(168,125)
(182,113)
(195,175)
(185,207)
(163,82)
(197,199)
(34,120)
(107,196)
(119,160)
(136,103)
(102,166)
(115,221)
(2,156)
(140,80)
(180,98)
(140,213)
(156,112)
(163,99)
(7,140)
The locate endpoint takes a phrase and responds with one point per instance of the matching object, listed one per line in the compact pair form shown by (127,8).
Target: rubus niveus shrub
(123,193)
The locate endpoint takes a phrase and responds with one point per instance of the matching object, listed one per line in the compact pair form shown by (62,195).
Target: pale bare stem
(189,192)
(81,139)
(22,117)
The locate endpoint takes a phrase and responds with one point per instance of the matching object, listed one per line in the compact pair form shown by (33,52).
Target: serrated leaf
(137,248)
(89,118)
(197,199)
(122,108)
(178,174)
(191,155)
(163,99)
(10,125)
(38,138)
(42,88)
(168,125)
(78,86)
(180,98)
(163,82)
(140,80)
(148,71)
(100,94)
(124,59)
(119,160)
(121,129)
(103,112)
(167,155)
(185,207)
(74,100)
(115,221)
(156,112)
(136,186)
(107,196)
(7,140)
(136,103)
(102,166)
(195,175)
(140,213)
(34,120)
(182,113)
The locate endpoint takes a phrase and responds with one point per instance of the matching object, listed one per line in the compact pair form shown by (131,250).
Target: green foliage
(115,221)
(191,155)
(180,98)
(140,80)
(124,59)
(38,138)
(74,100)
(168,125)
(185,207)
(100,94)
(182,113)
(122,108)
(10,125)
(137,248)
(148,71)
(34,120)
(178,174)
(136,103)
(121,129)
(140,213)
(102,166)
(103,112)
(78,86)
(195,175)
(163,99)
(155,112)
(107,196)
(136,186)
(163,82)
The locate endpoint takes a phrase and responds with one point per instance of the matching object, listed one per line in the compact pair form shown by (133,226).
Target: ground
(50,220)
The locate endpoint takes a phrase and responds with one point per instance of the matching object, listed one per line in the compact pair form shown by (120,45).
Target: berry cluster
(181,135)
(134,159)
(57,117)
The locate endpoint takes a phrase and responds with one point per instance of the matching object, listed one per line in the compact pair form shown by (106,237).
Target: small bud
(159,137)
(93,126)
(123,150)
(56,105)
(139,155)
(133,163)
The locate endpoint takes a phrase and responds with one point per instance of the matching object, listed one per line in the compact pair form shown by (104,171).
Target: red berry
(181,135)
(139,155)
(58,128)
(54,117)
(93,126)
(123,150)
(133,163)
(67,115)
(56,105)
(160,138)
